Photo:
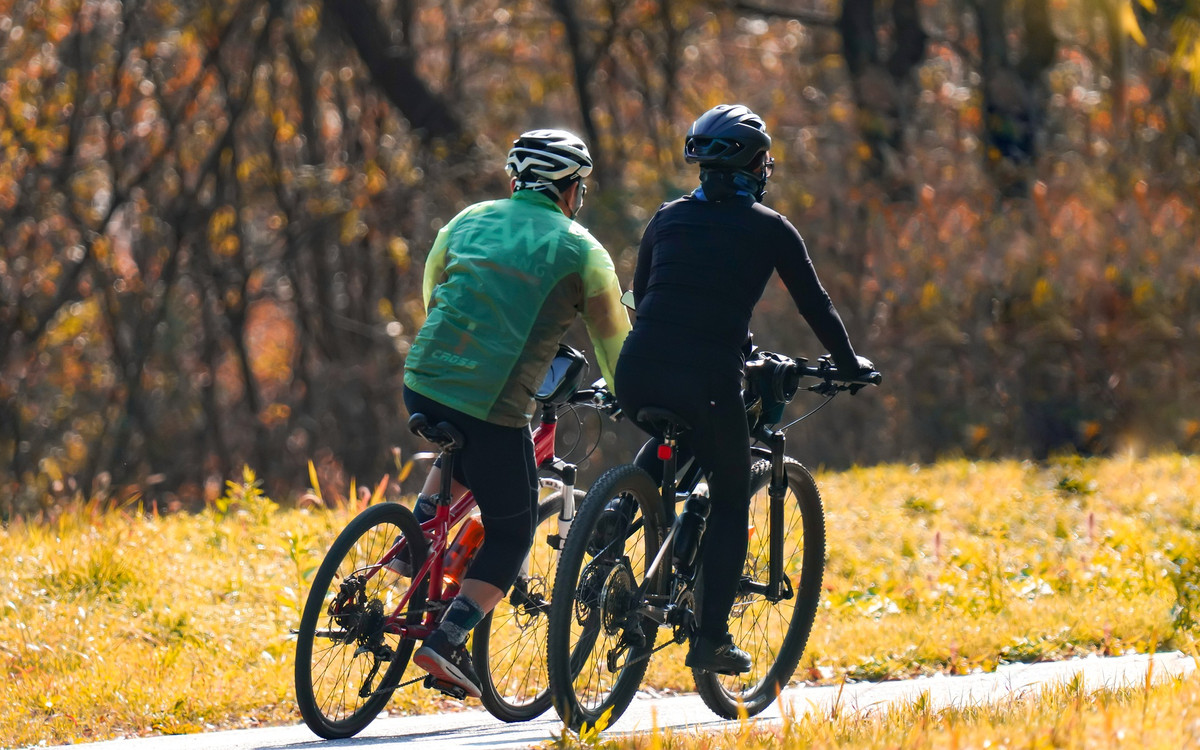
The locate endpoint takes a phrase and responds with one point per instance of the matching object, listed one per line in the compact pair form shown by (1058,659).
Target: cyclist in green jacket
(503,282)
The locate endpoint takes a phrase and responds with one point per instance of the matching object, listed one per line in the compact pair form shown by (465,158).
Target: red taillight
(664,451)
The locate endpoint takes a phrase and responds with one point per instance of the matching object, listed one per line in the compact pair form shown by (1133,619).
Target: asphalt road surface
(476,729)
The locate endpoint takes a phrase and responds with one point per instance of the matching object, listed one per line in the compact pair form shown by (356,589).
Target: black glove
(865,368)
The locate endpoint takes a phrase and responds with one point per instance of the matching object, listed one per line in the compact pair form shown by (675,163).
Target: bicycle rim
(509,645)
(593,677)
(347,665)
(774,634)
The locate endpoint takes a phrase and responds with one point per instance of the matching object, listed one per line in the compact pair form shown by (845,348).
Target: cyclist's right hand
(860,374)
(866,374)
(865,365)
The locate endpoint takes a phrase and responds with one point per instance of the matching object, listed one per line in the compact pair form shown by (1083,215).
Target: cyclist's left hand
(605,400)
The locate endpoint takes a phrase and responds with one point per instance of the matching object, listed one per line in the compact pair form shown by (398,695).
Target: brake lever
(825,388)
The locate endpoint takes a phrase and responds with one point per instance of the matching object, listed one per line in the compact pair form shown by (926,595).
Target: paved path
(476,729)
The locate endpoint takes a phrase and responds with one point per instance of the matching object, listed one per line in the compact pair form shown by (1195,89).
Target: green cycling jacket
(503,282)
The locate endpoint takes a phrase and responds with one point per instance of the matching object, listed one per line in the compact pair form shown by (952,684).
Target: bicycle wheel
(595,668)
(346,634)
(773,633)
(509,645)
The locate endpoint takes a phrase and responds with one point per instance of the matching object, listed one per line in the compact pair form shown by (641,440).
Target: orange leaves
(1173,216)
(271,338)
(1043,293)
(398,251)
(931,296)
(222,237)
(1075,221)
(376,179)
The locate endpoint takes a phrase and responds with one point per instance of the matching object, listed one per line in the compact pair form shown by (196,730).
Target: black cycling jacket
(702,266)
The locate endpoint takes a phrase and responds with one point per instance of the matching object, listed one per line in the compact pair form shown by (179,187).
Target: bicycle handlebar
(599,397)
(831,373)
(833,381)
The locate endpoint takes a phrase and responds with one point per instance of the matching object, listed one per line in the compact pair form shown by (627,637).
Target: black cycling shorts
(498,465)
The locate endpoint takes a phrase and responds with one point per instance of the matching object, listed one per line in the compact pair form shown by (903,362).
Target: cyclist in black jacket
(704,261)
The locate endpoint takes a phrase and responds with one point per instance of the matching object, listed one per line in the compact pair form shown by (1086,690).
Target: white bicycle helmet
(548,160)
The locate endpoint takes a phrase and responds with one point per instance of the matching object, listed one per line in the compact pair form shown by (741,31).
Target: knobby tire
(329,673)
(597,570)
(508,646)
(773,634)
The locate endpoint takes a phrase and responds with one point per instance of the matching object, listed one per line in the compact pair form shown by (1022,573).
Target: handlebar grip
(832,373)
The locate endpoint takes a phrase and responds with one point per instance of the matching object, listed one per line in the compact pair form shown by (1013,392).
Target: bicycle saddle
(444,435)
(662,419)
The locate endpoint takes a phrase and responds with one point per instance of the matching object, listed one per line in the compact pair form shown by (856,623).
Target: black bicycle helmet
(728,136)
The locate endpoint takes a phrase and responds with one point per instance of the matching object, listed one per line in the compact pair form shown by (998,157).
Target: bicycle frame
(437,529)
(777,586)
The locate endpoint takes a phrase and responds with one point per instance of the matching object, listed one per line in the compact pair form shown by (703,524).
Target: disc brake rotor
(528,601)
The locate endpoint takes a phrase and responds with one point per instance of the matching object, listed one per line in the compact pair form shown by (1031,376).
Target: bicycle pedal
(449,688)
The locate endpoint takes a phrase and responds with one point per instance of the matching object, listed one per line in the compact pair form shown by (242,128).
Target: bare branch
(393,69)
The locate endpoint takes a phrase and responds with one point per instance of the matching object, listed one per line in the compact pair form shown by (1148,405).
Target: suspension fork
(543,450)
(777,492)
(566,515)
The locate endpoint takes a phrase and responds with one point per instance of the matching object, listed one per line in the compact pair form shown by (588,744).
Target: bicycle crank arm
(783,590)
(658,614)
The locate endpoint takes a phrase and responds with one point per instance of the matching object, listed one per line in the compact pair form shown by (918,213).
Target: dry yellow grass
(1162,717)
(122,623)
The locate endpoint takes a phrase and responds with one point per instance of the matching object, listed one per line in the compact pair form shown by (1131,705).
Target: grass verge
(123,623)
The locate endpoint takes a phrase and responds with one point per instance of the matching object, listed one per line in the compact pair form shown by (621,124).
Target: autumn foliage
(213,215)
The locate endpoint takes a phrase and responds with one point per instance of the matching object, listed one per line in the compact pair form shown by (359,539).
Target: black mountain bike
(629,566)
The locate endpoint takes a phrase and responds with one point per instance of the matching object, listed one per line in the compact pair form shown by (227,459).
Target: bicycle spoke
(596,662)
(347,660)
(773,633)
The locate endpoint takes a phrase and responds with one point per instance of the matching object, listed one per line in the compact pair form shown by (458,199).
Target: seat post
(669,458)
(671,425)
(445,491)
(450,439)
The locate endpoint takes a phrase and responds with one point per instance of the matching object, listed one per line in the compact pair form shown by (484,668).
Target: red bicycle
(370,604)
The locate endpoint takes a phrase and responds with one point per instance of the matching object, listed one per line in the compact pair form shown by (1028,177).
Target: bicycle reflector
(664,451)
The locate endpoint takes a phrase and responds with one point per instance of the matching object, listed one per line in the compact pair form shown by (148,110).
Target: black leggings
(498,466)
(711,403)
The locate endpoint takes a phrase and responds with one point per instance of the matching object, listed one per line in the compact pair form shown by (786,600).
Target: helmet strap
(556,190)
(577,204)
